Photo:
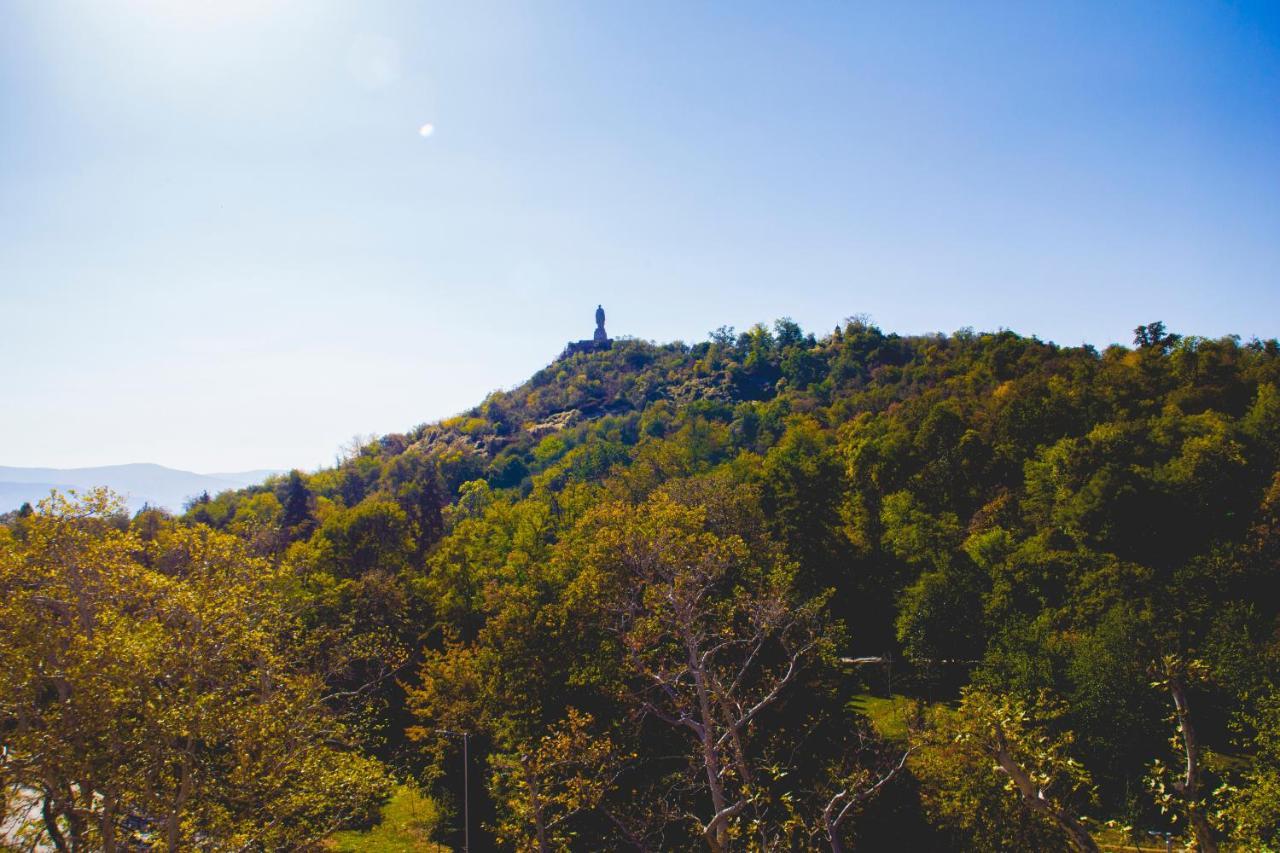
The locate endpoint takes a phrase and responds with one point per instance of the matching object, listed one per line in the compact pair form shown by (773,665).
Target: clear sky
(225,244)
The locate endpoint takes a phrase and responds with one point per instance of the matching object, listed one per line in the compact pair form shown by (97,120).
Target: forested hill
(638,581)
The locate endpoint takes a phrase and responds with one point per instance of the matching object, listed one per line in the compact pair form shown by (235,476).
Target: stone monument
(601,337)
(599,341)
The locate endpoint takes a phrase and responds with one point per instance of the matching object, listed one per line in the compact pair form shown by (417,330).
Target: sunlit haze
(234,234)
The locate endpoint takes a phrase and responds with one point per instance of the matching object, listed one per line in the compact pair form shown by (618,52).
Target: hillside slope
(1029,530)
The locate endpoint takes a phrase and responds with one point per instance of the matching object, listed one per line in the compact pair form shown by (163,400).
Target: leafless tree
(862,772)
(713,639)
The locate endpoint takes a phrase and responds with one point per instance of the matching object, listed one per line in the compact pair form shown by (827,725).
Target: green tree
(1253,806)
(1154,336)
(1014,737)
(298,518)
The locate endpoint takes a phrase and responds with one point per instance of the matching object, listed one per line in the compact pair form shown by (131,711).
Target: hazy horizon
(139,484)
(220,223)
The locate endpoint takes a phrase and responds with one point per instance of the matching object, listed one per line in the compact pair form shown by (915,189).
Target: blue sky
(224,243)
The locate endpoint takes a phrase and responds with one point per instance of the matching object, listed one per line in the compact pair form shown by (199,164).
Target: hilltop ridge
(753,380)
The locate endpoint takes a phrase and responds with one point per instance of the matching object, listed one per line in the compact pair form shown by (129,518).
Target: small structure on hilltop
(600,337)
(599,341)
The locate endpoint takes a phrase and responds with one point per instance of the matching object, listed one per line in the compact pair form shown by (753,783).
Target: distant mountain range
(139,483)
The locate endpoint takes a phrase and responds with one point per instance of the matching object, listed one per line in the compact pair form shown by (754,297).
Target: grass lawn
(408,821)
(888,715)
(1118,840)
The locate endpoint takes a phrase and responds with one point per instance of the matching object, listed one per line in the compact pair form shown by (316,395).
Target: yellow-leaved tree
(151,691)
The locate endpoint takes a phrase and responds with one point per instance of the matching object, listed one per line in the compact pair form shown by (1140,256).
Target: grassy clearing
(408,821)
(889,715)
(1118,840)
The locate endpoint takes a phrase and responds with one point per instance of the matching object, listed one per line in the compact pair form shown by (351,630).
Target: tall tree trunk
(50,815)
(718,833)
(1189,788)
(75,820)
(535,803)
(173,828)
(833,836)
(107,823)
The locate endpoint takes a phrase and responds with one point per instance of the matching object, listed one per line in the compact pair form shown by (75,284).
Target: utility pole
(466,796)
(466,787)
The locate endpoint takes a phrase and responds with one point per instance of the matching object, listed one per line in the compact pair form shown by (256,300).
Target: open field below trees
(405,824)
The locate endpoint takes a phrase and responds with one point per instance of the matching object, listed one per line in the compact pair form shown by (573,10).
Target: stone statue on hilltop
(600,341)
(601,336)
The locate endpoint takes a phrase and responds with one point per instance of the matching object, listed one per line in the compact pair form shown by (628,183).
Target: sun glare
(201,13)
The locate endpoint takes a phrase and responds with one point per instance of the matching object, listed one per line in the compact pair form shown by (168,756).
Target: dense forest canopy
(664,590)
